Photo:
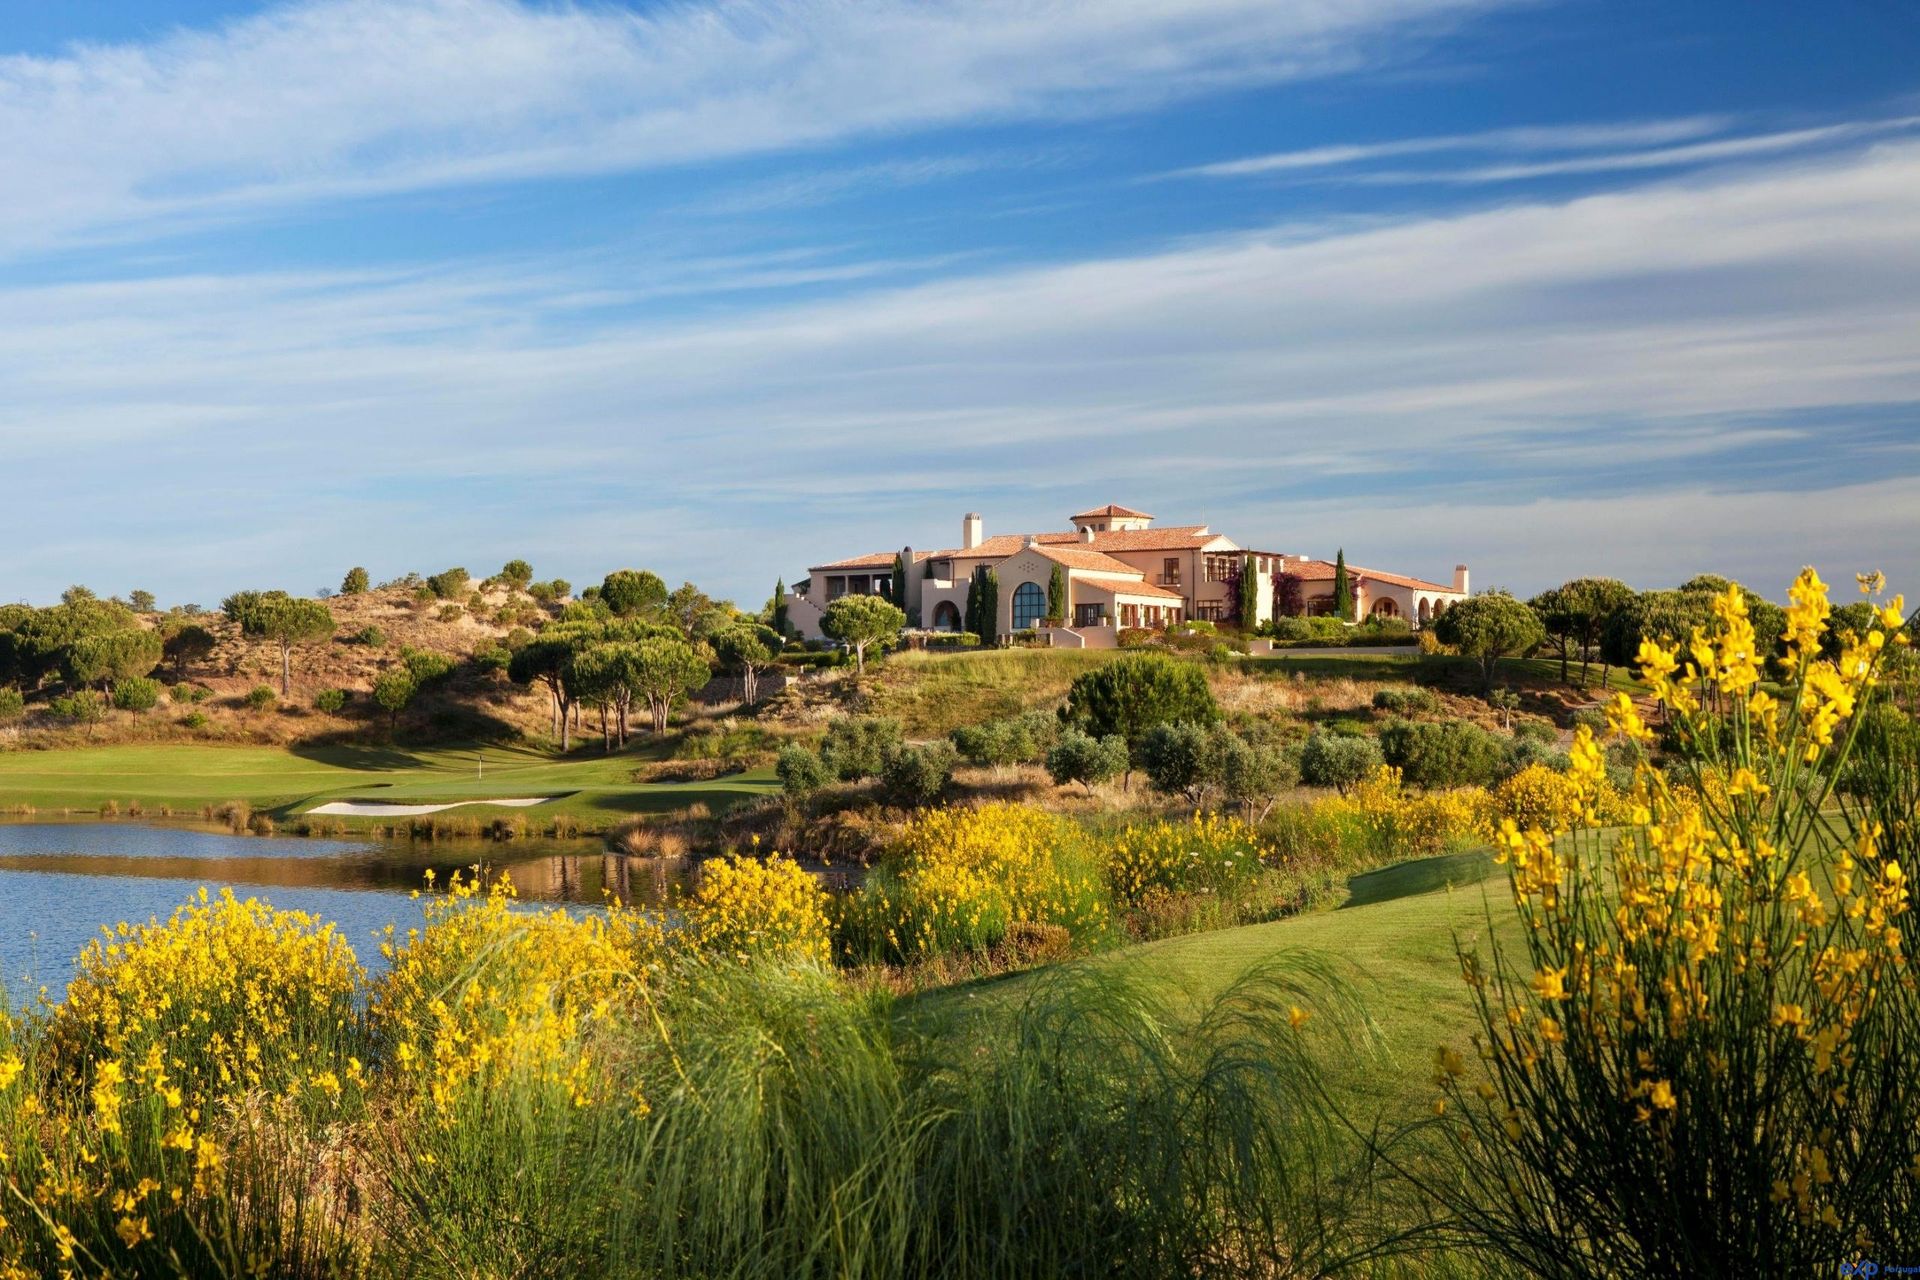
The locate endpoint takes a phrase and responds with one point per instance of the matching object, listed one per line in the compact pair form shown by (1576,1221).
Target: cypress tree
(777,614)
(1342,589)
(972,620)
(899,582)
(989,607)
(1249,598)
(1057,594)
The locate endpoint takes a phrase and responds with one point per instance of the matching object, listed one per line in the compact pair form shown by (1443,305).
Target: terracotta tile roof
(1172,538)
(1146,589)
(878,560)
(998,547)
(1323,571)
(1089,560)
(1179,537)
(1113,509)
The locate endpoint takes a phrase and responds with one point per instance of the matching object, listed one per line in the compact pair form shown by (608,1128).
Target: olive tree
(1078,757)
(286,620)
(1488,627)
(860,621)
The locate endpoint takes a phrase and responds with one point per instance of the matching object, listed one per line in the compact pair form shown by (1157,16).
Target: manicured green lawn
(596,789)
(1396,956)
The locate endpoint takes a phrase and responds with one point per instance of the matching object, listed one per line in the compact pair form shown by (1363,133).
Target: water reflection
(60,882)
(544,870)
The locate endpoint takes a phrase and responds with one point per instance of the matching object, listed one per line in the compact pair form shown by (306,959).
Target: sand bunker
(359,809)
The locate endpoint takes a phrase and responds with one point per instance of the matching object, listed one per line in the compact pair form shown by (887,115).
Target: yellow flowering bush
(1702,1058)
(122,1126)
(1380,821)
(1208,853)
(958,879)
(752,908)
(225,997)
(486,993)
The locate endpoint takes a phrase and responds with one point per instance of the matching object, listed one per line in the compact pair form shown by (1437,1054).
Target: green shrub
(1021,739)
(1180,758)
(354,583)
(1338,760)
(1444,753)
(1080,757)
(82,706)
(448,585)
(953,640)
(801,772)
(1406,701)
(425,666)
(261,698)
(856,747)
(915,777)
(1310,630)
(1133,694)
(1591,718)
(189,693)
(1522,752)
(330,700)
(136,693)
(194,720)
(370,636)
(13,704)
(492,657)
(1536,731)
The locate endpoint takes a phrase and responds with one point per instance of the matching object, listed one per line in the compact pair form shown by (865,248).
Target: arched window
(1029,605)
(1384,607)
(946,617)
(1426,611)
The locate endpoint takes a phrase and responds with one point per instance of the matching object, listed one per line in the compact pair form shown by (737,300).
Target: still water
(61,881)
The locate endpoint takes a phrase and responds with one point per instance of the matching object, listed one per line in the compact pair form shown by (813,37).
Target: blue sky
(724,289)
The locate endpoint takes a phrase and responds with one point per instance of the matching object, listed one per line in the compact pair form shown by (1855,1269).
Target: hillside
(205,695)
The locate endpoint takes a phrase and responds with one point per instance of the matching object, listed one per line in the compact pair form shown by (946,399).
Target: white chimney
(1031,541)
(970,536)
(1460,578)
(1086,533)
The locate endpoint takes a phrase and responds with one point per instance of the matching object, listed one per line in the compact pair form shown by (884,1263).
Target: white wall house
(1120,570)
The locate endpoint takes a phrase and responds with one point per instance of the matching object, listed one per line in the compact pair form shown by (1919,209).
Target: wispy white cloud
(1699,153)
(1239,376)
(1554,151)
(1528,139)
(330,98)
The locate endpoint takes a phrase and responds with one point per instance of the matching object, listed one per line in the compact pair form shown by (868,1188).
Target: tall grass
(798,1127)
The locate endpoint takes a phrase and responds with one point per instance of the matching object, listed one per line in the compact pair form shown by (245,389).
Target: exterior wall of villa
(1120,572)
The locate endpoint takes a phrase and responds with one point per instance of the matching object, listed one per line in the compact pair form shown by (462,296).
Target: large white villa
(1120,571)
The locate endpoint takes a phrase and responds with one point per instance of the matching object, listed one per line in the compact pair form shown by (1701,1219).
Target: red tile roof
(1089,560)
(1323,571)
(1112,509)
(878,560)
(1001,545)
(1146,589)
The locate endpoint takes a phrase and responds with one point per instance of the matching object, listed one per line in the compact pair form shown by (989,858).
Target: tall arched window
(1029,605)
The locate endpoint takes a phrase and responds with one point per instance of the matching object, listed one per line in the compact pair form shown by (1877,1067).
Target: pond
(61,881)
